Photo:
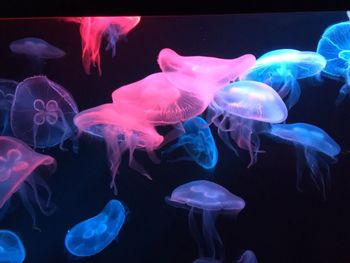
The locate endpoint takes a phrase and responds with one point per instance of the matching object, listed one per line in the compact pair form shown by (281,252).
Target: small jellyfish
(244,109)
(198,142)
(121,133)
(334,45)
(19,172)
(42,113)
(247,257)
(7,91)
(93,29)
(282,68)
(91,236)
(209,200)
(315,149)
(11,247)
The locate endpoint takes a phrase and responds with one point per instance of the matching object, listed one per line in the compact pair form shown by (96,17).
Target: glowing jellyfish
(247,257)
(244,109)
(200,74)
(314,148)
(121,133)
(282,68)
(334,45)
(7,91)
(93,29)
(198,143)
(208,199)
(19,172)
(11,247)
(91,236)
(42,113)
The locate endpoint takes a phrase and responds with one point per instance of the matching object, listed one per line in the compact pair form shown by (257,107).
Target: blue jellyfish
(91,236)
(42,113)
(11,247)
(198,143)
(334,45)
(7,91)
(282,68)
(242,110)
(247,257)
(315,149)
(208,199)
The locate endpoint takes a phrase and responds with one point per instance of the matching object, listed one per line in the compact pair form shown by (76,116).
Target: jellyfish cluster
(170,115)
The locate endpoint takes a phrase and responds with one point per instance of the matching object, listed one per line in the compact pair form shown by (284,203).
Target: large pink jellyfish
(122,133)
(19,166)
(92,29)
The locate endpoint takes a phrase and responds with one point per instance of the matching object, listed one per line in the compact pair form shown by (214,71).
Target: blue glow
(7,91)
(198,142)
(11,247)
(282,68)
(334,45)
(91,236)
(314,148)
(247,257)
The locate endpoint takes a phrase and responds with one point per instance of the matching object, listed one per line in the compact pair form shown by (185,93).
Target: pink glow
(121,133)
(199,73)
(92,29)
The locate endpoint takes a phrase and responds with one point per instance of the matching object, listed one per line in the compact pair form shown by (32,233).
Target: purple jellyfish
(208,199)
(19,167)
(244,109)
(42,113)
(7,91)
(247,257)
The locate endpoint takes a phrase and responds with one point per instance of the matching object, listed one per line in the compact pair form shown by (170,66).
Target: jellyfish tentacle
(23,195)
(195,232)
(294,91)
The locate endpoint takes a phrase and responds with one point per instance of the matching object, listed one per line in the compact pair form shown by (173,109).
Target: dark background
(278,223)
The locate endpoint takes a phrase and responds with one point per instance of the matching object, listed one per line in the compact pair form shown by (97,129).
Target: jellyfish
(91,236)
(282,68)
(198,142)
(42,113)
(208,199)
(7,91)
(243,110)
(121,133)
(334,45)
(315,150)
(247,257)
(11,247)
(93,29)
(20,172)
(200,74)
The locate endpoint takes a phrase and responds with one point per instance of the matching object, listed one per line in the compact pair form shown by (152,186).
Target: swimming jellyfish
(11,247)
(91,236)
(121,133)
(315,149)
(247,257)
(198,142)
(19,172)
(93,29)
(334,45)
(208,199)
(7,91)
(42,113)
(282,68)
(244,109)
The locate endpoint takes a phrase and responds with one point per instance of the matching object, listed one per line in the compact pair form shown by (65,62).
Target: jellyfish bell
(209,199)
(202,74)
(315,149)
(42,113)
(19,169)
(12,249)
(92,235)
(7,91)
(281,69)
(243,110)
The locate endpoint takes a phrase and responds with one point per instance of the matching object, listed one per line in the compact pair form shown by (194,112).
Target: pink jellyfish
(19,166)
(121,133)
(200,74)
(92,29)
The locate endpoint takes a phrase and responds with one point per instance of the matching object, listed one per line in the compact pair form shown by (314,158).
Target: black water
(278,223)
